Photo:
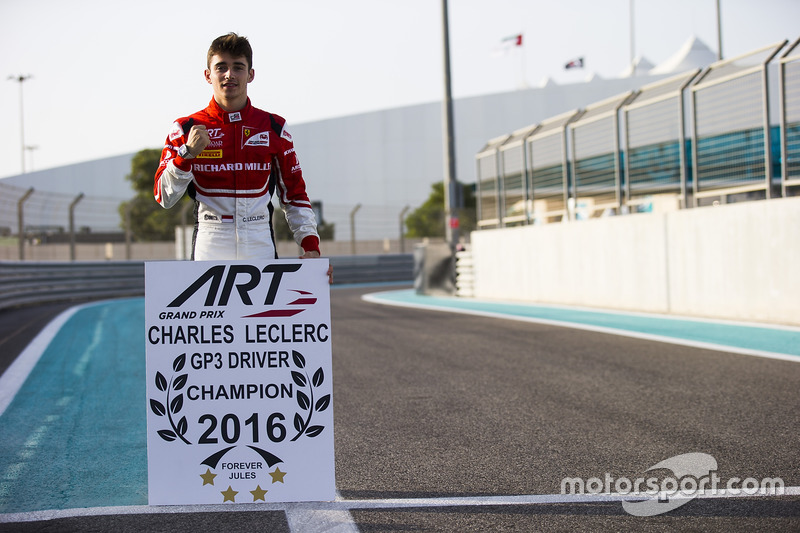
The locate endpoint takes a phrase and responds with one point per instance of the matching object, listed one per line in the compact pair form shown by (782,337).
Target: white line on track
(335,515)
(302,519)
(375,298)
(16,374)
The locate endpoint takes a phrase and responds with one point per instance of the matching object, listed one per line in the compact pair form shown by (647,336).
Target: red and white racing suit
(250,158)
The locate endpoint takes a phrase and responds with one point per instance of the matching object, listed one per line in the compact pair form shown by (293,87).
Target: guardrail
(26,283)
(31,283)
(372,268)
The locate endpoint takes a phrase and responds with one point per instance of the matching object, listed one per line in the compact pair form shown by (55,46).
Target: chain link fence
(63,227)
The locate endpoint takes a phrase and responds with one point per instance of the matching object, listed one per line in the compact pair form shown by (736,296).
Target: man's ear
(207,74)
(252,75)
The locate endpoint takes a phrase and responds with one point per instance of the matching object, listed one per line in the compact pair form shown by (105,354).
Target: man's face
(229,77)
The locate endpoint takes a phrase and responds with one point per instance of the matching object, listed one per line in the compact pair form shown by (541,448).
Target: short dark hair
(235,45)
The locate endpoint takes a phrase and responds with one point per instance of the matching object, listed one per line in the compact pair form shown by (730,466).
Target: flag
(508,44)
(514,40)
(575,63)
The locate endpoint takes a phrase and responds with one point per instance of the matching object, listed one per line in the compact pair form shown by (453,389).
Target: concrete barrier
(737,261)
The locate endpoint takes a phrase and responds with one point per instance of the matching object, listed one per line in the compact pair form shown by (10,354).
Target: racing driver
(232,158)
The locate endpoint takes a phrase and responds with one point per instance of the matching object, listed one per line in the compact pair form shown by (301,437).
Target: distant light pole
(403,229)
(21,79)
(30,150)
(450,182)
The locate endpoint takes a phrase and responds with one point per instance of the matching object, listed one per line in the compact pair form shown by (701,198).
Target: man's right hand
(197,140)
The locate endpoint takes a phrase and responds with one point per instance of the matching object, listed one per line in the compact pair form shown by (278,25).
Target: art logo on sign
(245,279)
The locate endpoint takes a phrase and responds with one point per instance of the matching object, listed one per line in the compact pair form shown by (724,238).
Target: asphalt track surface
(443,422)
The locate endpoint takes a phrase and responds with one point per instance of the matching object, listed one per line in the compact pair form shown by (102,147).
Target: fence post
(72,226)
(128,232)
(21,222)
(402,228)
(353,229)
(765,109)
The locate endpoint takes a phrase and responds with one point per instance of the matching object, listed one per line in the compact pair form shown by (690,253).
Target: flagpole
(523,81)
(719,33)
(633,36)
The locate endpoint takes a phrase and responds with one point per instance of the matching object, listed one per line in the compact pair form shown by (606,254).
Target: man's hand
(197,139)
(313,254)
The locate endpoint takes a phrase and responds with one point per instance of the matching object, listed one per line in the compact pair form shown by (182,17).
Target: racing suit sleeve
(173,175)
(291,189)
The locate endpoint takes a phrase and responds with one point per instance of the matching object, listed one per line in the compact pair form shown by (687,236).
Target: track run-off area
(450,415)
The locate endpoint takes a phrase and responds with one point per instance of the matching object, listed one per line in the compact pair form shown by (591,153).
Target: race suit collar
(228,117)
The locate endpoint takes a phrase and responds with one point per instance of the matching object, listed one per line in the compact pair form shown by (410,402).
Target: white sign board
(239,388)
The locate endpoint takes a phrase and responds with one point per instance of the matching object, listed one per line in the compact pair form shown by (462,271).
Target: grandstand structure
(721,133)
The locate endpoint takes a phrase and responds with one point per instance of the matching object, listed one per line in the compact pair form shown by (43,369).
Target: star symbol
(277,475)
(208,477)
(259,493)
(229,495)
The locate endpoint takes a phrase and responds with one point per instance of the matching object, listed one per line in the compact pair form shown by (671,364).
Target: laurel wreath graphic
(306,401)
(174,405)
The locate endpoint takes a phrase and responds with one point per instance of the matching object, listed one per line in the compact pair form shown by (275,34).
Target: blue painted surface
(749,337)
(75,433)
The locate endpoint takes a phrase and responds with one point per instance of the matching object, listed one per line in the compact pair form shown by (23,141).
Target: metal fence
(596,168)
(82,221)
(655,140)
(548,167)
(789,80)
(696,138)
(731,136)
(488,187)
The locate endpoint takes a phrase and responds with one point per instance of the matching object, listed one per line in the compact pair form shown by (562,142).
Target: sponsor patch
(210,154)
(250,137)
(175,132)
(234,117)
(286,135)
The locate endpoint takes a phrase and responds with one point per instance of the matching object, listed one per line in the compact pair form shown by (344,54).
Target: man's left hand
(313,254)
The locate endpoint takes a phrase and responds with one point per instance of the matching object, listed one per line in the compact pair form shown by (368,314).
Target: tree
(150,221)
(428,219)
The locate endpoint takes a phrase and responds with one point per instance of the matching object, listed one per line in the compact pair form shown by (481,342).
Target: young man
(232,158)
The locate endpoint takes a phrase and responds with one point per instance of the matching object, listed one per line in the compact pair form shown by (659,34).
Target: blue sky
(109,77)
